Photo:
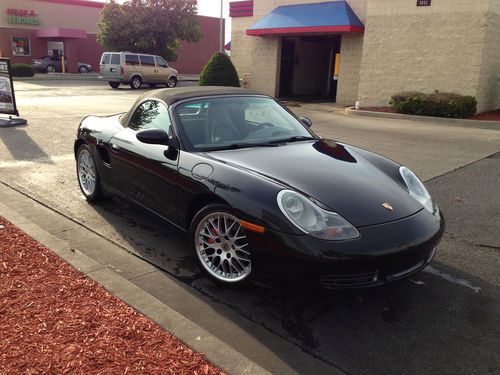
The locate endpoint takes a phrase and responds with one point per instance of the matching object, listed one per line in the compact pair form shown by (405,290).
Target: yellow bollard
(63,64)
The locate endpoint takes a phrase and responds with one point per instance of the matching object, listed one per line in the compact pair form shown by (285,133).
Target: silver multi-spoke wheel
(87,173)
(222,247)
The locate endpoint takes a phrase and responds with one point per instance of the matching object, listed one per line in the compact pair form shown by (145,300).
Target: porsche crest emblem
(387,206)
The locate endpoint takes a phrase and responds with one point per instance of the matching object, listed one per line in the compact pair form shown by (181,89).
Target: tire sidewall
(133,85)
(97,194)
(214,207)
(172,79)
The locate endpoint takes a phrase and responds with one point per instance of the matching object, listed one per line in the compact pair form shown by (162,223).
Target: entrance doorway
(55,48)
(307,67)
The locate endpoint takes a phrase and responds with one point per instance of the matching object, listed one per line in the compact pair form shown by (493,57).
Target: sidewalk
(117,271)
(92,76)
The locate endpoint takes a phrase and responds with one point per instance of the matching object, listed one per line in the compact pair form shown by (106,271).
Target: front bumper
(383,253)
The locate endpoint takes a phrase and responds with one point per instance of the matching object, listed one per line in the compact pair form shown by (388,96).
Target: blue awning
(328,17)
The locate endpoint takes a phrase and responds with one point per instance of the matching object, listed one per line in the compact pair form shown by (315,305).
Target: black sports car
(259,194)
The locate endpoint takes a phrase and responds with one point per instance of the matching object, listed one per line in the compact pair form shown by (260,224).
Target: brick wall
(488,91)
(440,47)
(193,56)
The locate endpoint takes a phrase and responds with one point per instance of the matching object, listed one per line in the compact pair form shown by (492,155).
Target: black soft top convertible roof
(173,95)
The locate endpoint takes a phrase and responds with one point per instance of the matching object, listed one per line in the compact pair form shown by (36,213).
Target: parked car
(135,69)
(258,193)
(52,64)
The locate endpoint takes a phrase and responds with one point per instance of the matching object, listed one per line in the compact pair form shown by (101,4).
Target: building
(31,29)
(368,50)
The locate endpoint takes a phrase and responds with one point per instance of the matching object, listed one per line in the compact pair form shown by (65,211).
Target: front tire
(114,85)
(50,69)
(135,82)
(220,245)
(88,175)
(83,69)
(172,82)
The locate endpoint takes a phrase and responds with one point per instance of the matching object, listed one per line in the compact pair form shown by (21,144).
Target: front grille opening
(349,280)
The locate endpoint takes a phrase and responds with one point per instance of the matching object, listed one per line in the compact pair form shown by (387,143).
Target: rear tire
(88,174)
(114,84)
(50,69)
(220,245)
(83,69)
(135,82)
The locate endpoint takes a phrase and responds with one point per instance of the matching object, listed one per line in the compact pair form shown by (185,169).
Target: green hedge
(437,104)
(219,71)
(22,70)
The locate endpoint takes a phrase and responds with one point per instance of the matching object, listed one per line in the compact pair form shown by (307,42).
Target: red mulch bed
(485,116)
(53,319)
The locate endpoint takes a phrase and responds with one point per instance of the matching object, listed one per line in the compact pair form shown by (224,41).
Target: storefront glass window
(21,46)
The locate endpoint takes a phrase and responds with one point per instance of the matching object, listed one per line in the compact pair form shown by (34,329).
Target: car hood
(330,173)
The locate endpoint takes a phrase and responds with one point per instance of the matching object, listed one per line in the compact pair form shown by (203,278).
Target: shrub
(22,70)
(437,104)
(219,71)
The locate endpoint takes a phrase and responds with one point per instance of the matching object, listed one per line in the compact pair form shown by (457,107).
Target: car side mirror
(156,137)
(306,121)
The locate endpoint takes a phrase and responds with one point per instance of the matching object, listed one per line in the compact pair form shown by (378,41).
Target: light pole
(221,41)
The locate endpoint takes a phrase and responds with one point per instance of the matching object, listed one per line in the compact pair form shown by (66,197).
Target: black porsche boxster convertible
(259,194)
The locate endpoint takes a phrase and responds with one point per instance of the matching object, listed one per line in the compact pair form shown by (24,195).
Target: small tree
(219,71)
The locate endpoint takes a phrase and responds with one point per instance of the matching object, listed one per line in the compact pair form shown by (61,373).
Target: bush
(219,71)
(437,104)
(22,70)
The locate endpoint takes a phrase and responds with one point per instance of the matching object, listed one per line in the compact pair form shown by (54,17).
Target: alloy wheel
(87,173)
(172,82)
(222,248)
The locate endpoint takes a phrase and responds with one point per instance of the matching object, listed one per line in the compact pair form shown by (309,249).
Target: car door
(163,71)
(56,61)
(148,68)
(142,171)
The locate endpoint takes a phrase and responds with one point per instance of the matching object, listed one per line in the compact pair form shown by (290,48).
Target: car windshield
(237,122)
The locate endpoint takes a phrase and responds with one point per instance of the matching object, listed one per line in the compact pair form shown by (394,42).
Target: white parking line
(452,279)
(27,163)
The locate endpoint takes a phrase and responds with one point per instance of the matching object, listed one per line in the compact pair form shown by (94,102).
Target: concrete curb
(448,121)
(197,338)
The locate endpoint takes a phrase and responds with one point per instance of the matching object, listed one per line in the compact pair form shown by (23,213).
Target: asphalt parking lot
(443,320)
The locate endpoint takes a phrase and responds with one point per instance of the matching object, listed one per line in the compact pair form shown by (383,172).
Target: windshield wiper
(295,138)
(234,146)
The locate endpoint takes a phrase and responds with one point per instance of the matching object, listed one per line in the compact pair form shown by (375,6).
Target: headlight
(417,189)
(313,220)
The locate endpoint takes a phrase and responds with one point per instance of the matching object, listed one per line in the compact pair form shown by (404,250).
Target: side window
(132,60)
(147,60)
(115,59)
(151,114)
(160,62)
(105,59)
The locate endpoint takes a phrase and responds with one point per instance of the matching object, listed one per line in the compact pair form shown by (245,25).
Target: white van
(136,69)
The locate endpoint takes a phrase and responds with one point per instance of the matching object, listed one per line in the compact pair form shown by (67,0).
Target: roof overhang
(318,18)
(57,32)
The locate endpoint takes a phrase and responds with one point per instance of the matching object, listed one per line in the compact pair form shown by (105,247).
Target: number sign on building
(423,3)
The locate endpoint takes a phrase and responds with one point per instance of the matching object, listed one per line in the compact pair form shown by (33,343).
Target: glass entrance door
(55,48)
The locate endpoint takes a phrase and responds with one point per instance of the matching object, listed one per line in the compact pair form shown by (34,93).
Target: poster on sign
(7,99)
